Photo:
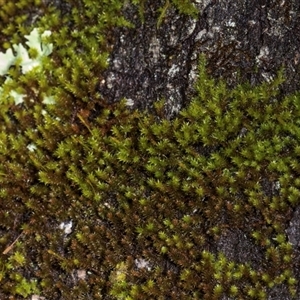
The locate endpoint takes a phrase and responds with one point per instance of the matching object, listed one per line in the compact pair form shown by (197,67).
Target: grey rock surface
(242,40)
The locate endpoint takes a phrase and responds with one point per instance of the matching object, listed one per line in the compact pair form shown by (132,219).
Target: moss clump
(146,199)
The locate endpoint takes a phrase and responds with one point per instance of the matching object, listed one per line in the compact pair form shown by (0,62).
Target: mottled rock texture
(242,40)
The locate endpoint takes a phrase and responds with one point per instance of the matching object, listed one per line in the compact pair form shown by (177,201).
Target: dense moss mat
(102,202)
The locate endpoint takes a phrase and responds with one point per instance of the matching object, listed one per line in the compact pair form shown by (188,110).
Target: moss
(137,186)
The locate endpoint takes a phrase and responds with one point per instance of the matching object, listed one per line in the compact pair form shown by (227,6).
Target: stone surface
(242,40)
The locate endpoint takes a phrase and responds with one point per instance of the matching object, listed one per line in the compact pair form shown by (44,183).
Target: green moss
(136,185)
(183,7)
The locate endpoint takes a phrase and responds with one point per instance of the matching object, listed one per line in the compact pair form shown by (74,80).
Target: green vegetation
(137,187)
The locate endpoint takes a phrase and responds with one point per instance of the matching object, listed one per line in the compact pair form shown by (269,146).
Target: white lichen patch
(31,147)
(18,98)
(129,102)
(34,42)
(6,60)
(81,274)
(37,297)
(48,100)
(66,227)
(20,57)
(142,264)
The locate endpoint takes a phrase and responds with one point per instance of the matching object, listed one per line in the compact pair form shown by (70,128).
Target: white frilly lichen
(21,56)
(34,41)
